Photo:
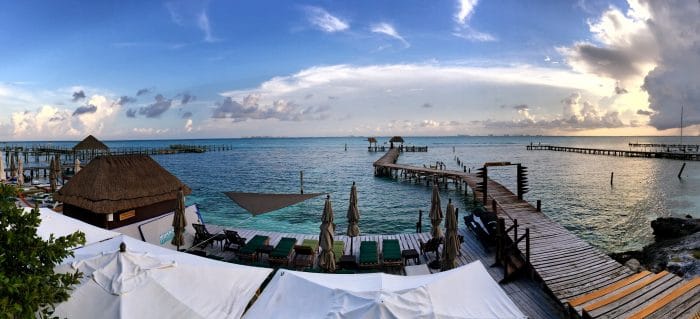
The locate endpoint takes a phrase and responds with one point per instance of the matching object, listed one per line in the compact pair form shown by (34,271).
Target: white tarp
(61,225)
(149,281)
(463,292)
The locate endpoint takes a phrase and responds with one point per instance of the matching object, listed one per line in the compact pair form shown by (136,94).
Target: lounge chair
(432,245)
(338,250)
(249,250)
(369,256)
(202,235)
(391,253)
(304,254)
(233,239)
(280,255)
(483,224)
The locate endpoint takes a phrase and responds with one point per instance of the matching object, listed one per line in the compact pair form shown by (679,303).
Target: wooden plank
(642,298)
(625,292)
(601,292)
(666,299)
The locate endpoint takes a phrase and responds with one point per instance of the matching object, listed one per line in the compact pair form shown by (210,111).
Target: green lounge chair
(369,257)
(304,253)
(250,249)
(391,253)
(338,250)
(280,255)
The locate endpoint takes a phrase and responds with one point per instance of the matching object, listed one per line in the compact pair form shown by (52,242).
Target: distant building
(118,190)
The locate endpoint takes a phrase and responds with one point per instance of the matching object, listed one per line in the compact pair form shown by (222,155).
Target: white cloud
(191,13)
(188,125)
(652,46)
(465,10)
(203,24)
(325,21)
(388,29)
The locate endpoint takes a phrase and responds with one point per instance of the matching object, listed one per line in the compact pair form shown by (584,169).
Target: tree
(28,284)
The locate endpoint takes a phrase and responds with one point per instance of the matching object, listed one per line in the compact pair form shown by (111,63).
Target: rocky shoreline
(676,248)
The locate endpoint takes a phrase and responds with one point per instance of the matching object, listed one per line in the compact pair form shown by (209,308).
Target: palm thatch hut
(89,148)
(395,139)
(114,191)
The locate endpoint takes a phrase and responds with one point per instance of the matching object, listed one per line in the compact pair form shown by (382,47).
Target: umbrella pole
(351,240)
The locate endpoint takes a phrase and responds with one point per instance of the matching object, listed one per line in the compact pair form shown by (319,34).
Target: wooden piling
(681,172)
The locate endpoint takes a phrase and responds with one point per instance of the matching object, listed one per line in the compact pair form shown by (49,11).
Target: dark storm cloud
(131,113)
(156,109)
(85,109)
(79,95)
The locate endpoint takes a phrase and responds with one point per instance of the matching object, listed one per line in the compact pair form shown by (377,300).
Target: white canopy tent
(61,225)
(463,292)
(148,281)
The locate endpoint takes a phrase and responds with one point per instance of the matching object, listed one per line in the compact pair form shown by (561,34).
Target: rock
(671,227)
(634,265)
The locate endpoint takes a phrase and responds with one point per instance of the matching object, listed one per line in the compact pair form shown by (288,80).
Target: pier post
(681,172)
(539,205)
(494,206)
(301,181)
(611,178)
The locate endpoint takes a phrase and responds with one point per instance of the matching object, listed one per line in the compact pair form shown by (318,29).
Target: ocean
(574,188)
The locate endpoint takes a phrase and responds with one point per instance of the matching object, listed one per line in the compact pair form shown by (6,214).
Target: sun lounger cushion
(283,248)
(368,252)
(338,249)
(254,244)
(311,243)
(391,250)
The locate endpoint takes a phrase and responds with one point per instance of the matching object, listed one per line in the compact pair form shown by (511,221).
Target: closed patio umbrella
(20,171)
(327,258)
(76,168)
(13,166)
(2,167)
(435,220)
(179,220)
(57,167)
(449,250)
(353,216)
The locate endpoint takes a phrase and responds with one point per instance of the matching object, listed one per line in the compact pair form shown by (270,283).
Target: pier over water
(658,153)
(584,279)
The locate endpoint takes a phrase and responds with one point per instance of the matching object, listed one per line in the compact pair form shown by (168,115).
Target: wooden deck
(526,293)
(568,266)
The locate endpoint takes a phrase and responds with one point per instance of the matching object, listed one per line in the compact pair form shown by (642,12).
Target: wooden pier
(400,148)
(569,267)
(624,153)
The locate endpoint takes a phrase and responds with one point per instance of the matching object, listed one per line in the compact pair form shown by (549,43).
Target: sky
(218,69)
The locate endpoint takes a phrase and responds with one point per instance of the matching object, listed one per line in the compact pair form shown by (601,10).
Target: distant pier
(684,156)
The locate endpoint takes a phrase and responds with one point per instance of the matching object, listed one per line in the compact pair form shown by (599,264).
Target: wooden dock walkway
(624,153)
(568,266)
(526,293)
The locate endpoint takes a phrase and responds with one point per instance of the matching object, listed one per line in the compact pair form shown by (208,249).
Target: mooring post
(539,205)
(494,206)
(301,181)
(681,172)
(611,178)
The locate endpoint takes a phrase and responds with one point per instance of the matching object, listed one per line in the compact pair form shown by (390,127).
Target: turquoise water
(574,188)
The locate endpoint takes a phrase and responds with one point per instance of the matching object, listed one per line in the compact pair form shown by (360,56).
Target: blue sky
(282,68)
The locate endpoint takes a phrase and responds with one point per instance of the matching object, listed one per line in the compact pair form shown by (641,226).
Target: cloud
(521,107)
(644,112)
(186,98)
(653,45)
(131,113)
(188,125)
(77,96)
(86,109)
(123,100)
(142,92)
(620,90)
(50,122)
(388,29)
(187,115)
(427,105)
(251,109)
(191,13)
(465,10)
(154,110)
(324,21)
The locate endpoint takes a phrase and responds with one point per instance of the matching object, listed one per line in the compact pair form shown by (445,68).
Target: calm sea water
(574,188)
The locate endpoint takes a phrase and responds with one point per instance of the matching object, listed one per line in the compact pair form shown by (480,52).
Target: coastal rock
(677,249)
(671,227)
(634,265)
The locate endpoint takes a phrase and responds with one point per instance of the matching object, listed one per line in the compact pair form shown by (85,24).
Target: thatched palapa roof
(396,139)
(115,183)
(90,143)
(371,140)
